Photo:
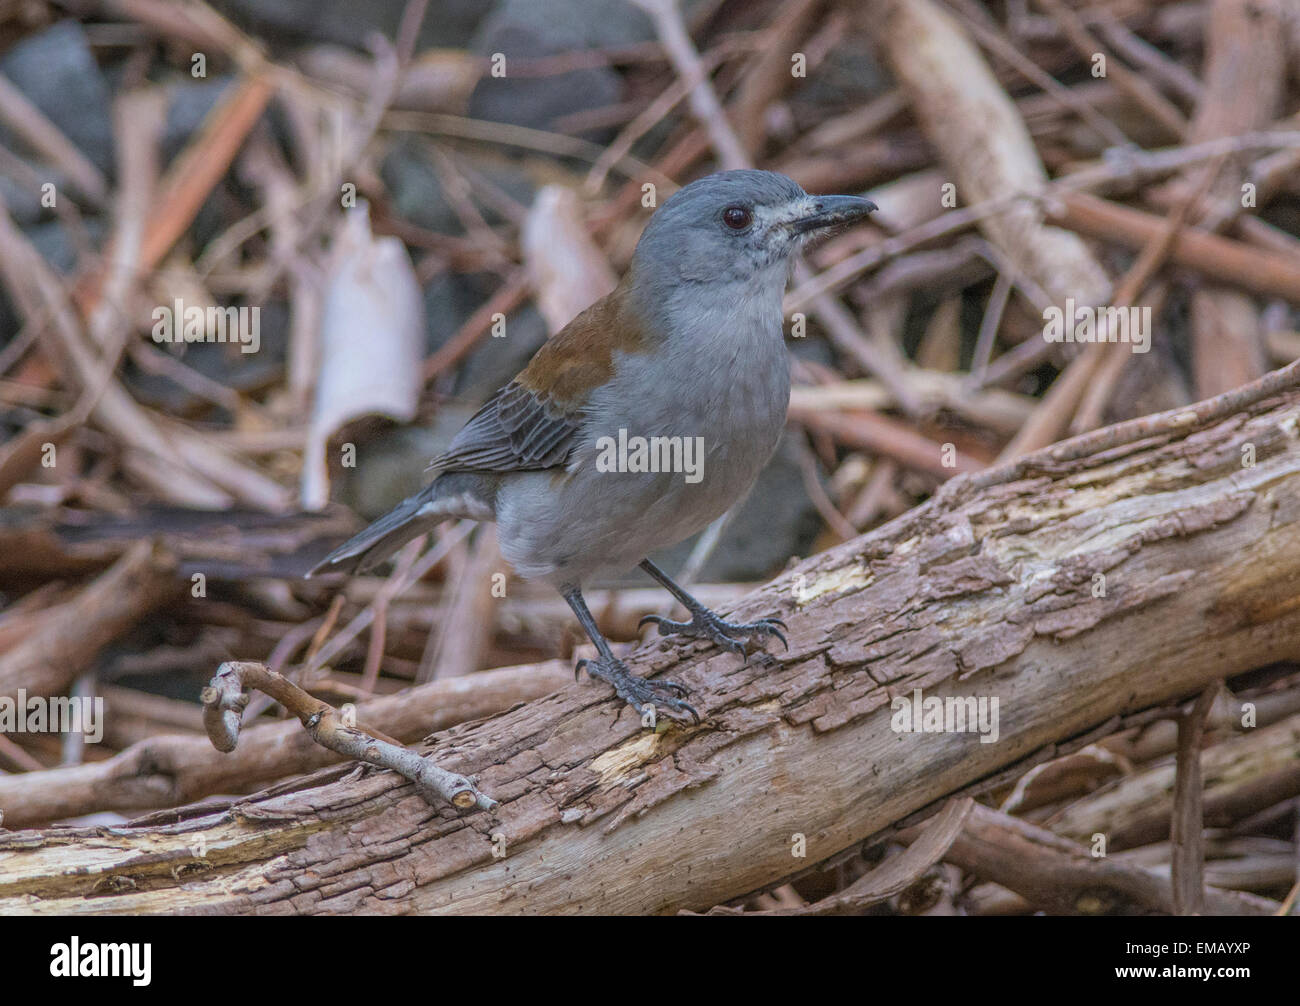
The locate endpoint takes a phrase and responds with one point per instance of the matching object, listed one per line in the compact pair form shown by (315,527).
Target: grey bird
(688,349)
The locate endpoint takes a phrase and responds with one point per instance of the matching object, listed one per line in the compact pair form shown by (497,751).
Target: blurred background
(260,260)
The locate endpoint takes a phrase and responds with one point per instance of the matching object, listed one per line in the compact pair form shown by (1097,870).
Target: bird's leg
(704,624)
(636,692)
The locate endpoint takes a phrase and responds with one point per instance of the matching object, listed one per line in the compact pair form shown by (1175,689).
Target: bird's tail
(412,517)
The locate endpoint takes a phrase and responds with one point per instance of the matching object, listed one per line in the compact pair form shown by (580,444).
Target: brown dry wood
(768,76)
(227,696)
(987,589)
(1216,257)
(40,543)
(1245,83)
(983,143)
(168,770)
(1141,91)
(1241,774)
(892,877)
(61,642)
(884,436)
(469,614)
(1080,773)
(1187,828)
(1154,740)
(1063,877)
(1238,865)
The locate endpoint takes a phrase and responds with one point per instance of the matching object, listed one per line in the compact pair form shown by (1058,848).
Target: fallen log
(166,771)
(1116,572)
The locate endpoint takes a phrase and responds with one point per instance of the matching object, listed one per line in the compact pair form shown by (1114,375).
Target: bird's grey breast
(720,382)
(722,374)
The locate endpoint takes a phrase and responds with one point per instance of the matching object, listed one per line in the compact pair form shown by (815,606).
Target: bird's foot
(734,636)
(662,696)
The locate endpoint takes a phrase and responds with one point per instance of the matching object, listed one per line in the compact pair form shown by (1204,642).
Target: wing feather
(517,430)
(532,423)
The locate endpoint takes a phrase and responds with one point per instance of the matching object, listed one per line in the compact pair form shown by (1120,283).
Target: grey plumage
(689,345)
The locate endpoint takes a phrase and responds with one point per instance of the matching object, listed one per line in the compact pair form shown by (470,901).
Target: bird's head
(737,226)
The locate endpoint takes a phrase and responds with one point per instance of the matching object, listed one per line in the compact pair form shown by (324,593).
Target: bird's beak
(830,210)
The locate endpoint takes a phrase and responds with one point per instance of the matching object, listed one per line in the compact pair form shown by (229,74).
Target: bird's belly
(630,493)
(602,520)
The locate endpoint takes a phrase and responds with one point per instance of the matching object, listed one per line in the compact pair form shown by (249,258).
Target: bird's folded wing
(517,430)
(533,422)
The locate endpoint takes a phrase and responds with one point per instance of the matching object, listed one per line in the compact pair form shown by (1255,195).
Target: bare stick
(1061,876)
(895,874)
(176,768)
(1185,830)
(1160,108)
(227,694)
(686,61)
(25,119)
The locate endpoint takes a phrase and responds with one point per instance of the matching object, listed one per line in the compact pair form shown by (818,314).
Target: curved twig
(226,696)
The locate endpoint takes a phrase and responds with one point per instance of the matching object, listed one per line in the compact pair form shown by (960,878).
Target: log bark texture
(1105,575)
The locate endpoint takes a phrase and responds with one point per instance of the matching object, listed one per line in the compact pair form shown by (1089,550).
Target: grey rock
(449,300)
(496,361)
(9,323)
(224,363)
(416,191)
(811,350)
(848,77)
(57,72)
(569,24)
(51,239)
(22,201)
(447,23)
(189,102)
(418,196)
(523,29)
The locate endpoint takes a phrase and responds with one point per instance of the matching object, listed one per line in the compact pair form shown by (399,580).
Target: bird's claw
(732,636)
(665,696)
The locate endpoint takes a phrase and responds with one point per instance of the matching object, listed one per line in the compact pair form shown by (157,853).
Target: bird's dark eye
(737,217)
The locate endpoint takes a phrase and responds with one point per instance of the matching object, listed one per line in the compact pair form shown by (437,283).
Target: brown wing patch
(580,357)
(530,424)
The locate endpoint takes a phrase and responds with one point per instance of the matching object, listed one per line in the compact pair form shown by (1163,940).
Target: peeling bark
(992,588)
